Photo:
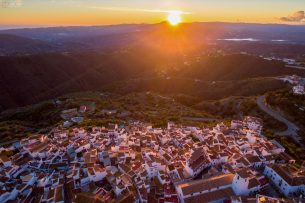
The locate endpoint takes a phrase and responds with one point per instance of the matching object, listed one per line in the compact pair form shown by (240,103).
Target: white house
(152,167)
(287,178)
(236,124)
(198,161)
(245,183)
(298,90)
(96,173)
(253,123)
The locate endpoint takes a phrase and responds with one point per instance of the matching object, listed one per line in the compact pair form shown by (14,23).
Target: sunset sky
(100,12)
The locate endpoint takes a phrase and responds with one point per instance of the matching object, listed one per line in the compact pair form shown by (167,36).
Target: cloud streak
(297,17)
(135,9)
(10,3)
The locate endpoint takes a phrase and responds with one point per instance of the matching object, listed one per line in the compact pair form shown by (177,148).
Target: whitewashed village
(297,82)
(141,164)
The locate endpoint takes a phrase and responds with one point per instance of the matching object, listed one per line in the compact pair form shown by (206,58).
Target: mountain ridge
(33,78)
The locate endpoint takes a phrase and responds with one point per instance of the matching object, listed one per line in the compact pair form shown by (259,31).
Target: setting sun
(174,17)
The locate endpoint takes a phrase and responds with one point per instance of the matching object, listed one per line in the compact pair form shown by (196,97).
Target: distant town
(297,82)
(135,162)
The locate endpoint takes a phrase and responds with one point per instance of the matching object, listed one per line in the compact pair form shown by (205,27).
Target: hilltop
(34,78)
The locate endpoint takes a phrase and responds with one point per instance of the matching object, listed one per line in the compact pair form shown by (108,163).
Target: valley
(164,101)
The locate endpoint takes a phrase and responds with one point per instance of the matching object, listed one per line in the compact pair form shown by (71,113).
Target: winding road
(199,118)
(296,67)
(292,129)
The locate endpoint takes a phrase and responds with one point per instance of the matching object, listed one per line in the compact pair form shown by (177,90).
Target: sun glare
(174,17)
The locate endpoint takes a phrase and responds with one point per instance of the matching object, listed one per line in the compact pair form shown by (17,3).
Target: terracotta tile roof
(206,184)
(211,196)
(244,173)
(253,182)
(289,174)
(253,159)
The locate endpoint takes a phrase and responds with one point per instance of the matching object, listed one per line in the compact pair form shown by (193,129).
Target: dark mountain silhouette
(33,78)
(17,44)
(43,63)
(71,39)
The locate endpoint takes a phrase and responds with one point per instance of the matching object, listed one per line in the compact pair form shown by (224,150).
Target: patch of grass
(195,139)
(291,147)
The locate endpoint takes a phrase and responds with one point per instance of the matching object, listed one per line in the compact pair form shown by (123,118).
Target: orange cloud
(296,17)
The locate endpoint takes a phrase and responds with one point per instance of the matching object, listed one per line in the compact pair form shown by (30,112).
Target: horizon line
(9,27)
